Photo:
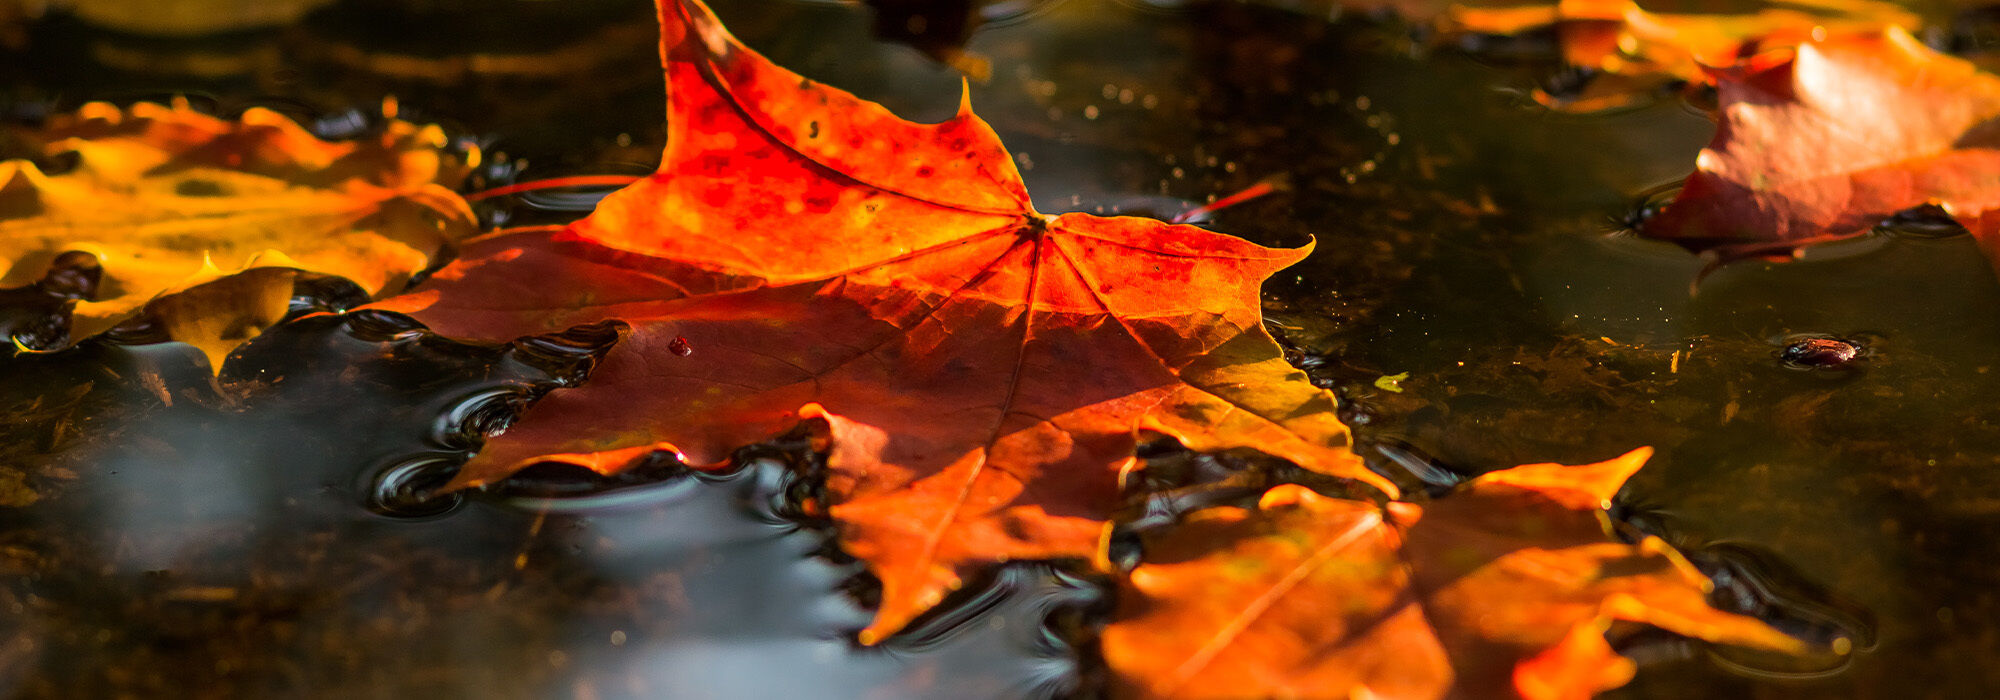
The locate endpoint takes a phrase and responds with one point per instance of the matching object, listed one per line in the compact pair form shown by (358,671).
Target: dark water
(166,534)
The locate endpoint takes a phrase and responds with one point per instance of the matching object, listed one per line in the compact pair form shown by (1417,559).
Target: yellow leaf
(170,199)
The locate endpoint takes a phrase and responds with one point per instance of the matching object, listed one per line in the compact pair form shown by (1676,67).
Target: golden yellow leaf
(168,199)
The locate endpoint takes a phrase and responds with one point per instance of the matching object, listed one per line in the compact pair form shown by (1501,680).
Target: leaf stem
(1263,187)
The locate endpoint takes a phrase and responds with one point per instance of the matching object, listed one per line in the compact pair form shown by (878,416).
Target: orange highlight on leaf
(170,200)
(1502,589)
(1634,51)
(978,373)
(1829,143)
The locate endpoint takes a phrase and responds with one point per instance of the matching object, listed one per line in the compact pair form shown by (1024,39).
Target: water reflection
(748,609)
(167,534)
(215,506)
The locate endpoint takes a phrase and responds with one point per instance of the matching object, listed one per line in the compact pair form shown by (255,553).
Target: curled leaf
(1630,51)
(1834,139)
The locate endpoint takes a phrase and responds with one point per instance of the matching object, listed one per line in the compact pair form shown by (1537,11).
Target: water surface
(167,534)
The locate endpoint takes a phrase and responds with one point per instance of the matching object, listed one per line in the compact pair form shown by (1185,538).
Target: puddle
(270,532)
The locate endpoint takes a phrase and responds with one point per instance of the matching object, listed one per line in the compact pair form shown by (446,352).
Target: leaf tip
(1582,487)
(964,98)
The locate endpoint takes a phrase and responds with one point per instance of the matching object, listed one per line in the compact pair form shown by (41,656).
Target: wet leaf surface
(170,201)
(1458,233)
(978,372)
(1624,53)
(1800,158)
(1503,589)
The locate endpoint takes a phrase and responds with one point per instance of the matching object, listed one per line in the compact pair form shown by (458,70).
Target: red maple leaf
(978,373)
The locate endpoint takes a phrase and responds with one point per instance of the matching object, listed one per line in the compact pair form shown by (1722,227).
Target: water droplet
(472,419)
(378,326)
(680,346)
(407,490)
(571,354)
(313,293)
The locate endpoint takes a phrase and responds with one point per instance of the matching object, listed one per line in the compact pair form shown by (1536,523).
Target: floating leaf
(1504,588)
(1630,51)
(168,198)
(1832,140)
(979,373)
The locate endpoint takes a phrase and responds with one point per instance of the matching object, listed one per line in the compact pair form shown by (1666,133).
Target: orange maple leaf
(1504,588)
(978,373)
(1832,140)
(1634,51)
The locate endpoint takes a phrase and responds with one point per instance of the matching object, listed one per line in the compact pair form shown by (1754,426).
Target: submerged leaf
(1505,588)
(168,198)
(978,373)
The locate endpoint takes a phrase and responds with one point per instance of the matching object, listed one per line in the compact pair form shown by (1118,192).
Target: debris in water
(1392,382)
(1821,352)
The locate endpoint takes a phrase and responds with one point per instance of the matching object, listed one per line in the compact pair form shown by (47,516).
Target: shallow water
(166,535)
